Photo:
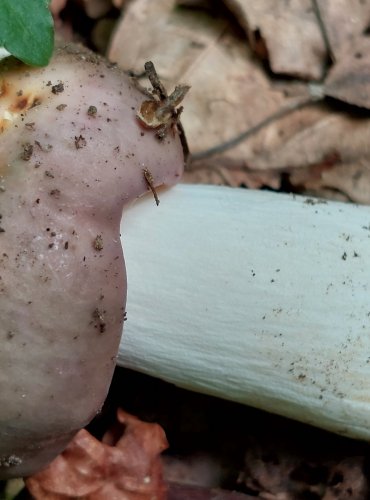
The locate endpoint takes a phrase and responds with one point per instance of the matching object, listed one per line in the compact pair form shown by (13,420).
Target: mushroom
(256,297)
(72,154)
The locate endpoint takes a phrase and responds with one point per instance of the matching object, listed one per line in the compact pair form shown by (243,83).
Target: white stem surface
(255,297)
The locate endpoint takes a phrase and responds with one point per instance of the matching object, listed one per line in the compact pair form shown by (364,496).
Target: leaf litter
(219,450)
(236,85)
(125,465)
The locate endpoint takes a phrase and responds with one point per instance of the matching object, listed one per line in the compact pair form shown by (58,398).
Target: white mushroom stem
(255,297)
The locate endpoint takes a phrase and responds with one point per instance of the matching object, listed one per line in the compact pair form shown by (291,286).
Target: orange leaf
(125,466)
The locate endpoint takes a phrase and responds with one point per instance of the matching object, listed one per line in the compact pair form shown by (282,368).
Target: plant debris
(150,181)
(125,465)
(320,149)
(161,112)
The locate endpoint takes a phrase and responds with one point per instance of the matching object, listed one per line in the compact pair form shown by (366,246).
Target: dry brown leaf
(287,476)
(229,93)
(221,175)
(344,21)
(196,469)
(349,182)
(309,137)
(139,32)
(347,480)
(290,32)
(125,466)
(349,79)
(319,148)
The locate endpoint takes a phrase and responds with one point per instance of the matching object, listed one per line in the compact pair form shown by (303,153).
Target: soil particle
(98,243)
(92,111)
(98,316)
(80,142)
(58,88)
(46,148)
(55,193)
(27,151)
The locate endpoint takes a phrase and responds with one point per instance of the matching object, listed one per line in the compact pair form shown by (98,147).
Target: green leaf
(27,30)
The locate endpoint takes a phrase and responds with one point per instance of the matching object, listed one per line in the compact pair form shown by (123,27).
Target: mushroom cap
(72,155)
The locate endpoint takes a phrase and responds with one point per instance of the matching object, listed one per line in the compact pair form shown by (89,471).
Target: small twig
(161,111)
(150,181)
(225,146)
(158,87)
(320,21)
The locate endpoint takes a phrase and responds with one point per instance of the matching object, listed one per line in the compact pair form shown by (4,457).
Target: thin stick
(157,85)
(320,21)
(225,146)
(150,181)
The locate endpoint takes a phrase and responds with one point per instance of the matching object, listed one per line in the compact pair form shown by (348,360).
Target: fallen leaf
(348,182)
(290,33)
(231,92)
(141,29)
(347,480)
(199,469)
(344,21)
(287,476)
(309,137)
(221,175)
(349,78)
(125,466)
